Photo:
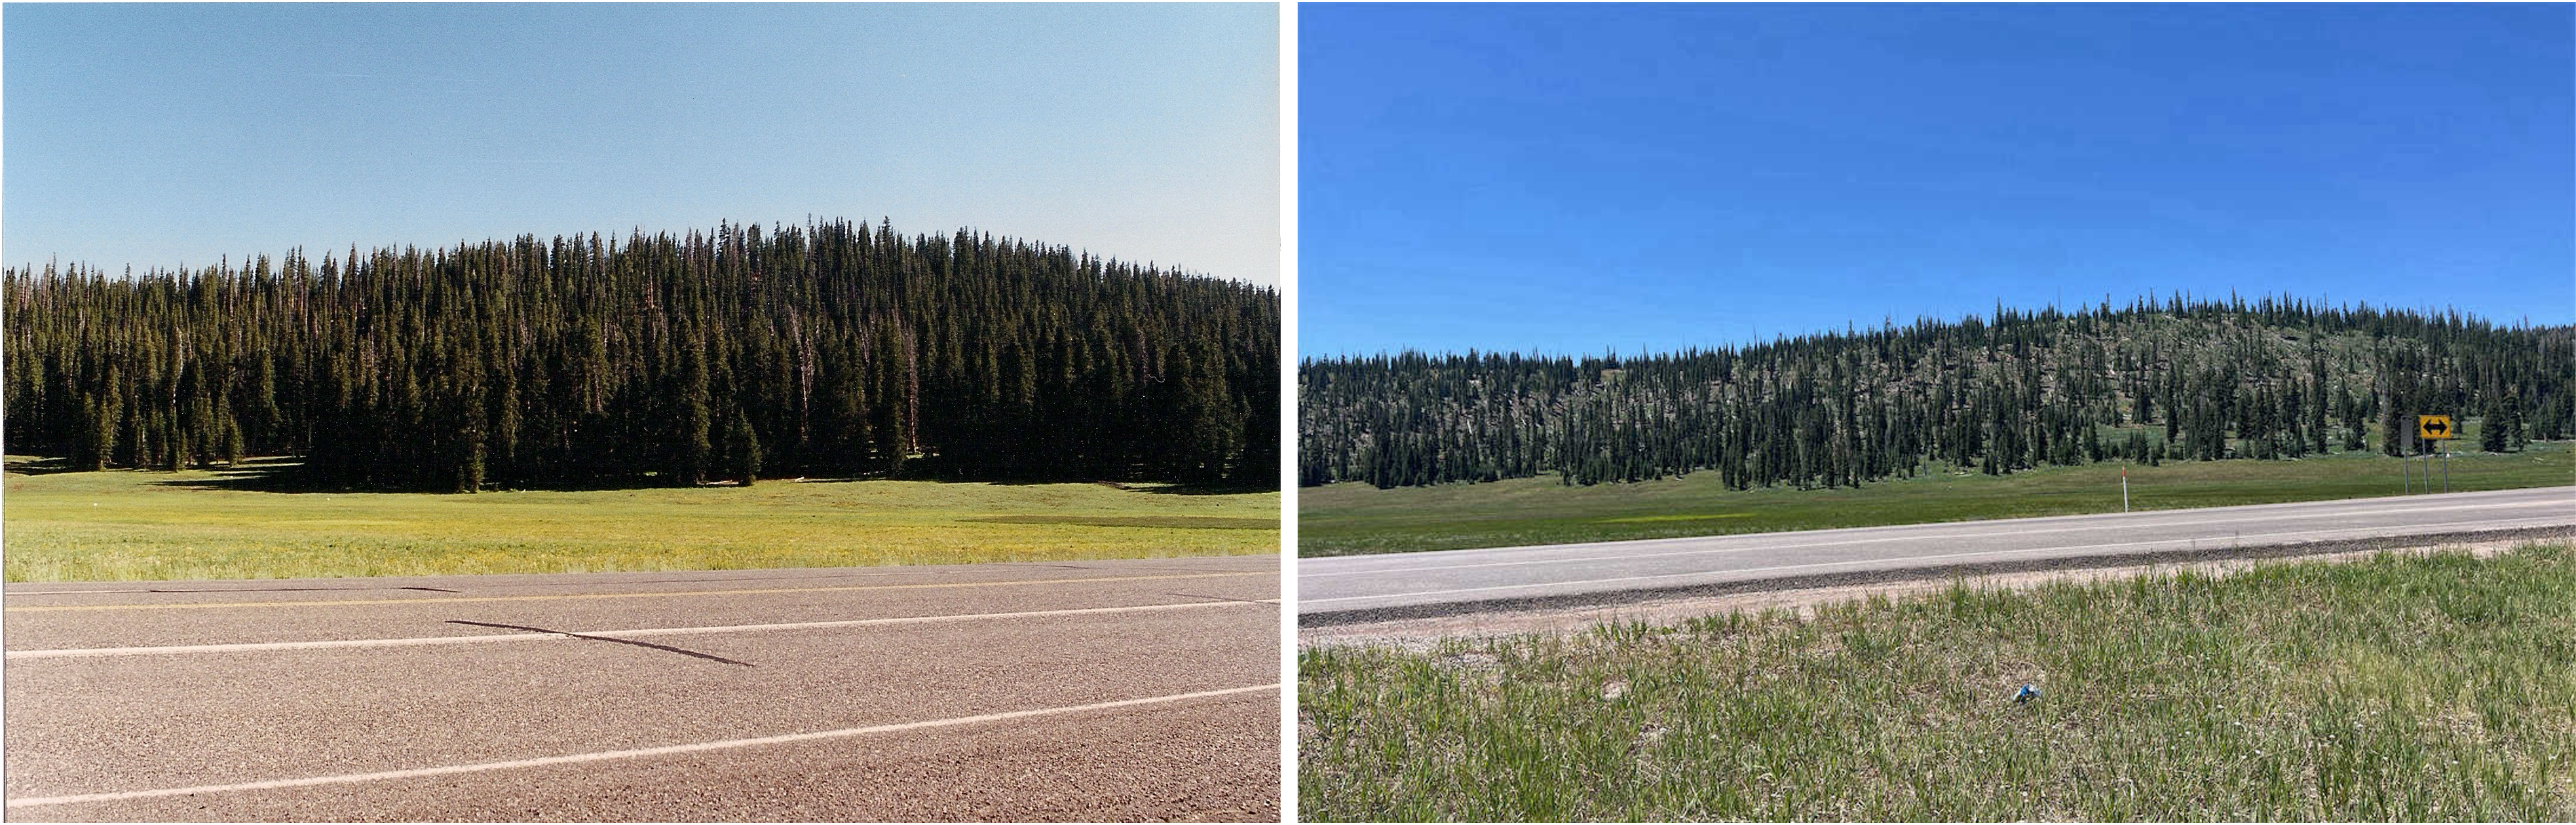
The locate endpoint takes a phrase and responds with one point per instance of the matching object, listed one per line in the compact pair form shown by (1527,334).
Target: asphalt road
(1399,585)
(1105,690)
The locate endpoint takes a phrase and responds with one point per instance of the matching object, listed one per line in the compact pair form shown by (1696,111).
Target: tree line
(827,350)
(2187,379)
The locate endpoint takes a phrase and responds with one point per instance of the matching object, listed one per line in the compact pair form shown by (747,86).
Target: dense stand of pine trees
(2188,379)
(830,349)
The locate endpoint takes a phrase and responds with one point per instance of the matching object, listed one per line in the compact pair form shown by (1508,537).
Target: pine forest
(831,349)
(2153,381)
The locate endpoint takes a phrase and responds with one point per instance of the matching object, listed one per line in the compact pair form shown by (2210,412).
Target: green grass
(125,524)
(2437,687)
(1343,519)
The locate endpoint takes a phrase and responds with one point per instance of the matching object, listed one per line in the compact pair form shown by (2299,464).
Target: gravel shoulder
(1422,633)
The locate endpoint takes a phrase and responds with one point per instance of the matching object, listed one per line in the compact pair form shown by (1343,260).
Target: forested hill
(2153,381)
(827,350)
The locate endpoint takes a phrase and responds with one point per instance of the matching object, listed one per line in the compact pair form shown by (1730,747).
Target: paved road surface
(1107,690)
(1395,585)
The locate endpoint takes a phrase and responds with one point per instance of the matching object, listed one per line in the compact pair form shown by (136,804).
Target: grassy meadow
(1349,518)
(2402,687)
(127,525)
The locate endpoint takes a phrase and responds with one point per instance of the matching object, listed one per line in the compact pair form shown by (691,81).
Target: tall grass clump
(2403,687)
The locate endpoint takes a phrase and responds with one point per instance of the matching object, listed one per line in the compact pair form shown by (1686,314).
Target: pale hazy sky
(155,134)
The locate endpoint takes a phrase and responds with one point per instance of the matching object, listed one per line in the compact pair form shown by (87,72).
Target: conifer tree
(1997,393)
(743,446)
(848,350)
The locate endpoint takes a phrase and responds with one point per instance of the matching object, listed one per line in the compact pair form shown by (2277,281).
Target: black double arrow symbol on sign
(2437,427)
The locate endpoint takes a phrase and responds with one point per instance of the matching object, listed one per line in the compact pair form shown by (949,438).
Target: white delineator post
(2124,489)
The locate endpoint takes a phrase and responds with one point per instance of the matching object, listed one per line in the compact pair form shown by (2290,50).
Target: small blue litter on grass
(2026,693)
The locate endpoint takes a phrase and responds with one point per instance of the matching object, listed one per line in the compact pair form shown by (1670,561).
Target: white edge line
(710,581)
(2071,517)
(569,634)
(1701,573)
(624,754)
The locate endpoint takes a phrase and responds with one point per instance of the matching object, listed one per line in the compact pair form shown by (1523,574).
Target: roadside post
(2124,489)
(2405,463)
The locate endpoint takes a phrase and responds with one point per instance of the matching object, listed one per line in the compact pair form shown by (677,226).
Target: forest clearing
(217,524)
(627,404)
(1349,518)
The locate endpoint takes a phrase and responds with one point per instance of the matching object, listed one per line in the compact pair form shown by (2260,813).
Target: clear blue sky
(154,134)
(1572,179)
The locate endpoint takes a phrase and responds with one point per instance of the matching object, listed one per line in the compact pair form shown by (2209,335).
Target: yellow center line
(641,595)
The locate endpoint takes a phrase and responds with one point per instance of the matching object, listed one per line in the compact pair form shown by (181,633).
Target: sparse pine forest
(2153,381)
(826,350)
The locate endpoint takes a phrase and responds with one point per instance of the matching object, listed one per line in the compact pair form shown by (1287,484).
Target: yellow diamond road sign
(2435,427)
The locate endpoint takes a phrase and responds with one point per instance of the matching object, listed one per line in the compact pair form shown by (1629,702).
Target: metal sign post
(2436,429)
